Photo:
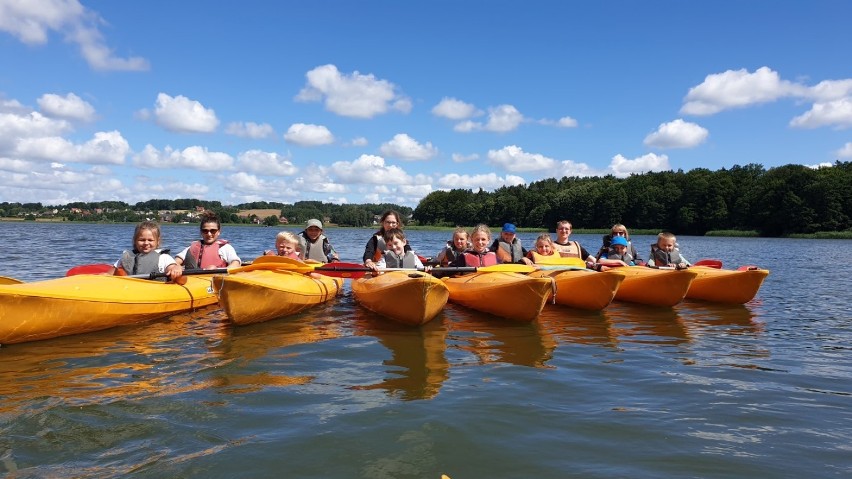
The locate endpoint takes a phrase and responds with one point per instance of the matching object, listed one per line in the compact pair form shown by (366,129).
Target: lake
(698,390)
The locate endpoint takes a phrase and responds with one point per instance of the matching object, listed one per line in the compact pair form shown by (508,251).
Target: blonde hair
(666,235)
(287,237)
(619,227)
(481,228)
(544,237)
(459,231)
(151,226)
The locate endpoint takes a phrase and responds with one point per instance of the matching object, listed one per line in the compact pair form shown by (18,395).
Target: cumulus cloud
(567,122)
(454,109)
(677,134)
(405,147)
(570,168)
(70,107)
(459,158)
(355,95)
(182,115)
(845,152)
(31,22)
(736,89)
(359,141)
(266,163)
(250,129)
(513,158)
(193,157)
(104,148)
(621,166)
(501,119)
(837,113)
(16,126)
(486,181)
(370,169)
(308,135)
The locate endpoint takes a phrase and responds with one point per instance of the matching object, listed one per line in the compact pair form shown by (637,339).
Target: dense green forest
(781,201)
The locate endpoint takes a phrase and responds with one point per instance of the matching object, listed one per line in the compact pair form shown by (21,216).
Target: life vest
(571,249)
(449,253)
(607,239)
(133,262)
(512,252)
(474,259)
(626,257)
(664,258)
(316,250)
(392,260)
(204,256)
(381,247)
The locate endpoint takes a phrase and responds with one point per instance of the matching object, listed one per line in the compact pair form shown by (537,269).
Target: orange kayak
(726,285)
(408,297)
(509,295)
(654,287)
(584,288)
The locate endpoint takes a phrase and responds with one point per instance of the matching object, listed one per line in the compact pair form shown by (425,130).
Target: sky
(387,101)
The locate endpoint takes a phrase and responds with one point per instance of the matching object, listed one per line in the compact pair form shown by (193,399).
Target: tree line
(779,201)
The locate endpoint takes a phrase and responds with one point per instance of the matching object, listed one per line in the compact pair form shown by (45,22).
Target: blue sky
(355,102)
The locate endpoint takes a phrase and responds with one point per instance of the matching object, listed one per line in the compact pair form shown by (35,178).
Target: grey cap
(315,222)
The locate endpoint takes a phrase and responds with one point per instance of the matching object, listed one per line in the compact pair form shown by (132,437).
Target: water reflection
(491,339)
(418,365)
(646,324)
(591,328)
(720,318)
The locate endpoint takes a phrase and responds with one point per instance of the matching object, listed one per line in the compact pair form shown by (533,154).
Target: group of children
(389,248)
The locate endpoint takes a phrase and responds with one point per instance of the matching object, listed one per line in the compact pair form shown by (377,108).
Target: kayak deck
(409,298)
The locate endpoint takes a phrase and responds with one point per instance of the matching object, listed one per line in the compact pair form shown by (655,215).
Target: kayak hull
(408,298)
(263,294)
(584,289)
(725,285)
(654,287)
(85,303)
(508,295)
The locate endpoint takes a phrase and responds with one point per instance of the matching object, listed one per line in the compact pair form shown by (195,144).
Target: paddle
(355,271)
(89,269)
(710,263)
(8,280)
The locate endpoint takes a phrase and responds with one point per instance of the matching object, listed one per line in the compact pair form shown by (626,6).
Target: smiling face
(544,247)
(285,247)
(397,245)
(460,241)
(390,222)
(146,241)
(507,237)
(620,249)
(563,231)
(210,232)
(480,241)
(313,232)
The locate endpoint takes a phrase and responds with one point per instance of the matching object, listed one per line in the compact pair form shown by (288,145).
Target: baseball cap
(508,228)
(315,222)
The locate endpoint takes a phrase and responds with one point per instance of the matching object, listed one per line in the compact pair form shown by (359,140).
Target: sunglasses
(210,231)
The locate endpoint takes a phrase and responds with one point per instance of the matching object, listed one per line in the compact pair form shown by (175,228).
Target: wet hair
(208,216)
(393,233)
(151,226)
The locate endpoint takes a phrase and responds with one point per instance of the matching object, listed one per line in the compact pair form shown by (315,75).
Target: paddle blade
(89,269)
(506,268)
(343,270)
(710,263)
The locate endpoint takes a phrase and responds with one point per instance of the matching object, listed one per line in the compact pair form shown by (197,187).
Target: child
(618,254)
(211,252)
(666,253)
(545,250)
(315,245)
(146,256)
(396,256)
(457,246)
(479,254)
(619,229)
(286,244)
(508,247)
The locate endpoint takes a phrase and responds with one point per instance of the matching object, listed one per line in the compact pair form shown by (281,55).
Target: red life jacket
(474,259)
(204,256)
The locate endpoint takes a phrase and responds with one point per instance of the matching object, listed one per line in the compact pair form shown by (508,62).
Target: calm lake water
(695,391)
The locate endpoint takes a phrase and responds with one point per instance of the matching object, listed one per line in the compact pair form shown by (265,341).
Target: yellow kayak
(84,303)
(654,287)
(584,288)
(262,294)
(508,295)
(726,285)
(410,298)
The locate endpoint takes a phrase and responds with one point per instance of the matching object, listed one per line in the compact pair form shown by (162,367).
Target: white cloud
(266,163)
(829,90)
(621,166)
(736,89)
(569,168)
(513,158)
(193,157)
(459,158)
(13,165)
(677,134)
(182,115)
(15,126)
(355,95)
(70,107)
(370,169)
(488,181)
(250,129)
(308,135)
(845,152)
(837,112)
(455,109)
(467,126)
(31,22)
(360,141)
(405,147)
(567,122)
(104,148)
(501,118)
